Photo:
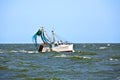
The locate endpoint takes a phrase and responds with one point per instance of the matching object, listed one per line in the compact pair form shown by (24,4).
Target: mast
(53,36)
(43,37)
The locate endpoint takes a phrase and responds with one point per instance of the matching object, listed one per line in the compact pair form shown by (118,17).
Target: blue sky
(78,21)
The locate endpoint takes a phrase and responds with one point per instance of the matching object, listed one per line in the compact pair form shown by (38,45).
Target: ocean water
(88,62)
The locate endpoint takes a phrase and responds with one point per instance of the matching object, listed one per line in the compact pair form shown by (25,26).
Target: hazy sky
(80,21)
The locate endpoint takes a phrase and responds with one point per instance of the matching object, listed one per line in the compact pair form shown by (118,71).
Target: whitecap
(86,57)
(111,59)
(67,56)
(102,47)
(108,44)
(23,51)
(32,51)
(62,55)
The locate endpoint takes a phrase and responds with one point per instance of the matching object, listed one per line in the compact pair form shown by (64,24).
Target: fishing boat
(50,44)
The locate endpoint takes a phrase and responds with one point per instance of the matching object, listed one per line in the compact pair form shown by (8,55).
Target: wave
(18,51)
(24,51)
(112,59)
(72,56)
(103,47)
(86,52)
(62,56)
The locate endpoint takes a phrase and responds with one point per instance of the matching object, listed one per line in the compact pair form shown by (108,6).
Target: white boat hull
(59,48)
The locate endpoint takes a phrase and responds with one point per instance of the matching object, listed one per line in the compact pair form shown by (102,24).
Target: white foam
(32,51)
(62,55)
(86,57)
(67,56)
(111,59)
(108,44)
(102,47)
(24,51)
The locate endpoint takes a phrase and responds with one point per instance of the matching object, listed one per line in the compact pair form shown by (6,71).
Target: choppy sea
(88,62)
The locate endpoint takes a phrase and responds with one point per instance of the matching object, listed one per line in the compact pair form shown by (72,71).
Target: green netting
(43,37)
(34,38)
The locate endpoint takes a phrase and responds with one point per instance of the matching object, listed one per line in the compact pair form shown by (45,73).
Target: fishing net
(43,37)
